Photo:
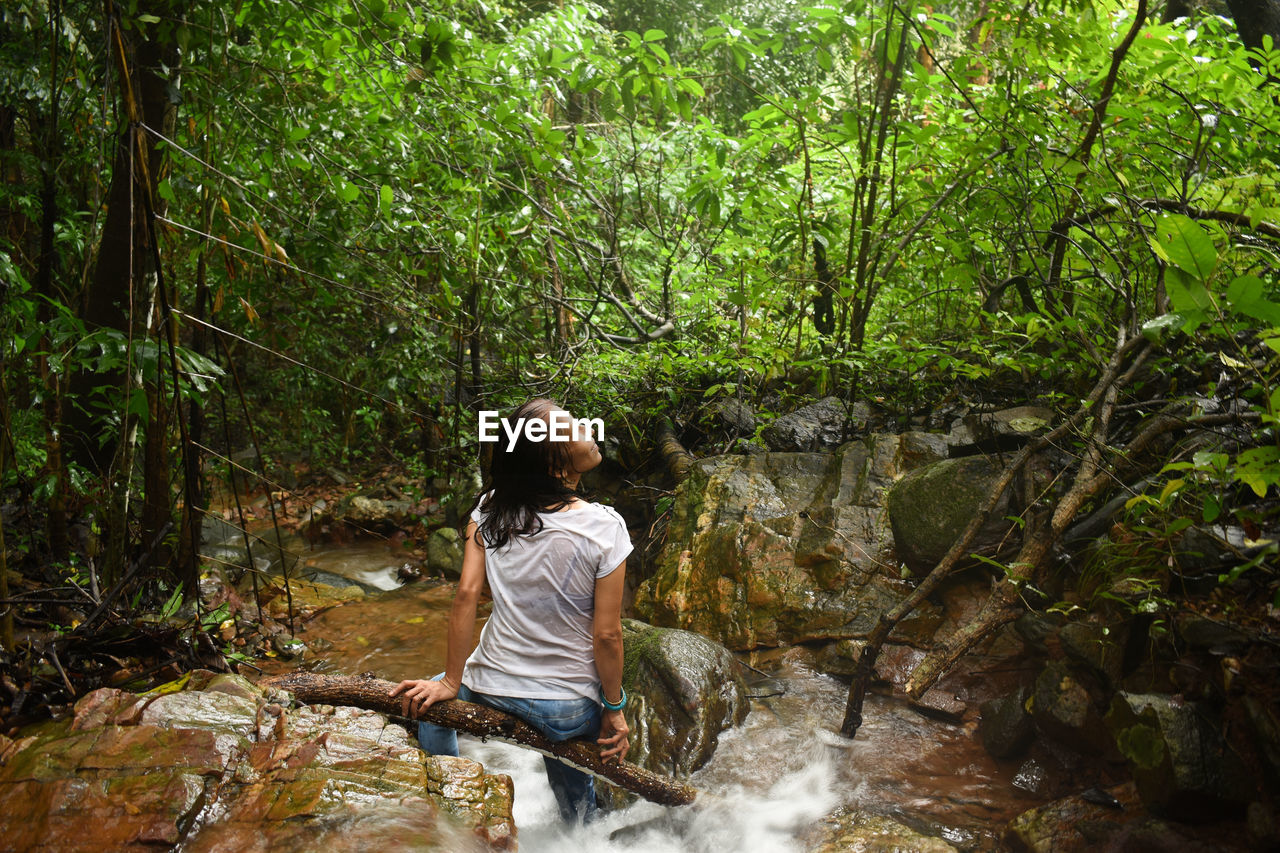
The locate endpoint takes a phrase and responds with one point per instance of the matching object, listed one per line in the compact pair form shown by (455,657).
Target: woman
(551,652)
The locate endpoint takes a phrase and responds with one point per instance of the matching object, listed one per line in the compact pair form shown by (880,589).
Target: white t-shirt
(537,643)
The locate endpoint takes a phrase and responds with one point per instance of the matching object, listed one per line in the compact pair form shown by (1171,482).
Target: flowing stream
(773,781)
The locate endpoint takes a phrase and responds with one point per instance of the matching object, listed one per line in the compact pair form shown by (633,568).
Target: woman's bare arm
(607,640)
(421,694)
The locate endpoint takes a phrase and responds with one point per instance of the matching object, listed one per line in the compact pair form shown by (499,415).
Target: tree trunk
(122,292)
(375,694)
(1256,18)
(6,609)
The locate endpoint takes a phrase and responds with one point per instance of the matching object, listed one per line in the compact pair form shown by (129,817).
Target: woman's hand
(613,735)
(420,695)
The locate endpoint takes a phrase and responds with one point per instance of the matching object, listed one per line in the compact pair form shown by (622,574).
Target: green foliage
(397,213)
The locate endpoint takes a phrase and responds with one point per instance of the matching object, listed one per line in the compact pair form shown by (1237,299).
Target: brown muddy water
(773,779)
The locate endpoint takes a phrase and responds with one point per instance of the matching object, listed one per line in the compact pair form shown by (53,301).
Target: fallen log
(677,460)
(374,694)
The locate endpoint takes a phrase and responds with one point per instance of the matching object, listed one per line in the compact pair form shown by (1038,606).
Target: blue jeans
(558,719)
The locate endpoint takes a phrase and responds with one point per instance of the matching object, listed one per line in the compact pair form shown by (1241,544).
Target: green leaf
(384,200)
(348,191)
(1246,294)
(1259,468)
(654,35)
(693,87)
(1160,328)
(1188,297)
(1186,245)
(138,404)
(1212,509)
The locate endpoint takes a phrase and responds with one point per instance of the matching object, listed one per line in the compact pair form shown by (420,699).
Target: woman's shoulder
(591,510)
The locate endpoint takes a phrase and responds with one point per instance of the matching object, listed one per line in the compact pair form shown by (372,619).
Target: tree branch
(375,695)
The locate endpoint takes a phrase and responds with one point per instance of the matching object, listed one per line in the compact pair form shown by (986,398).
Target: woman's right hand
(420,695)
(614,735)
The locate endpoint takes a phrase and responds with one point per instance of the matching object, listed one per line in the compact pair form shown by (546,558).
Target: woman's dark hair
(522,482)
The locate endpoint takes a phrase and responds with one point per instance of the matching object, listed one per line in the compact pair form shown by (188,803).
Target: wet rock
(1076,825)
(444,552)
(333,579)
(218,712)
(733,417)
(840,657)
(1204,634)
(288,647)
(819,425)
(308,597)
(894,665)
(106,706)
(1006,725)
(483,798)
(868,833)
(922,448)
(1181,764)
(1007,429)
(684,690)
(211,767)
(930,507)
(1266,729)
(779,547)
(266,552)
(1064,708)
(369,514)
(1096,647)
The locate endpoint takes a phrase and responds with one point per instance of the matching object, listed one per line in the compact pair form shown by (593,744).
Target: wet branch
(375,695)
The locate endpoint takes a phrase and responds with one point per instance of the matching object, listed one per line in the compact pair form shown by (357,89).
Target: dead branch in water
(374,694)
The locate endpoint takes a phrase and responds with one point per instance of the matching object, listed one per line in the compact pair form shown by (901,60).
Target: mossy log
(677,460)
(484,722)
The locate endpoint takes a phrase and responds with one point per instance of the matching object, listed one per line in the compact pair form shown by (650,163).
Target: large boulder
(819,425)
(1181,763)
(213,763)
(444,552)
(931,506)
(992,432)
(780,548)
(684,690)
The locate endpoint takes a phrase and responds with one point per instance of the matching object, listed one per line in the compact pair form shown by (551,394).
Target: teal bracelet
(622,703)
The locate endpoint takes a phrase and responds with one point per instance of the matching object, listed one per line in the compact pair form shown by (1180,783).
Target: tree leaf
(1247,294)
(1186,246)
